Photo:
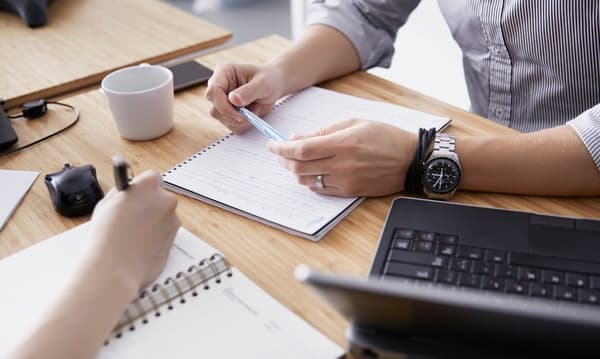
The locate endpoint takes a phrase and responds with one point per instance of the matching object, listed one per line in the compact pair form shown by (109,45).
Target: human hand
(254,87)
(355,157)
(133,230)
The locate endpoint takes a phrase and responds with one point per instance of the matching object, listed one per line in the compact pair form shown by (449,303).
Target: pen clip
(122,171)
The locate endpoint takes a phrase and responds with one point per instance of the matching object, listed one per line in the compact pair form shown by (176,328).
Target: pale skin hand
(547,162)
(131,234)
(355,157)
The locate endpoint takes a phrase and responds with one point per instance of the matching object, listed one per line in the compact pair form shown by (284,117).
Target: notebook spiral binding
(173,289)
(205,149)
(222,139)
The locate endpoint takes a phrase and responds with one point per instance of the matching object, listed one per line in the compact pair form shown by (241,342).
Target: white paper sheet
(241,175)
(13,187)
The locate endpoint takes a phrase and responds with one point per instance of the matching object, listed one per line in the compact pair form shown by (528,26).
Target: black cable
(75,111)
(412,181)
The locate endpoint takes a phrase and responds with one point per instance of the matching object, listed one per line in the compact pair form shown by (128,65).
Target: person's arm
(321,54)
(342,37)
(548,162)
(131,234)
(364,158)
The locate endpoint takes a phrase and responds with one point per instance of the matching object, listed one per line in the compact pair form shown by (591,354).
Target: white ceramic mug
(141,101)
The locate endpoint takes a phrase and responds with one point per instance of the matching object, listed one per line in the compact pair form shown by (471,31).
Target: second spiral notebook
(199,307)
(239,174)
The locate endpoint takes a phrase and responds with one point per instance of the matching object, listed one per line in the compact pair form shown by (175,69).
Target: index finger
(309,149)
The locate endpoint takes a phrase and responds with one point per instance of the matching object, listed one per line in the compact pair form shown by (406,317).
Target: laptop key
(447,239)
(469,280)
(494,255)
(565,293)
(470,252)
(460,264)
(403,244)
(515,286)
(532,260)
(481,267)
(446,250)
(404,233)
(424,246)
(504,270)
(492,283)
(540,290)
(589,296)
(425,236)
(553,277)
(408,270)
(577,280)
(446,276)
(418,258)
(595,282)
(529,274)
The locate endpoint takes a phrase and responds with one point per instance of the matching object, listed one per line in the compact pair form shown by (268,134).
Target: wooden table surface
(268,256)
(85,39)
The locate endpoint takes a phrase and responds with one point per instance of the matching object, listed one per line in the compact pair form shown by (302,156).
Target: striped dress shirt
(528,64)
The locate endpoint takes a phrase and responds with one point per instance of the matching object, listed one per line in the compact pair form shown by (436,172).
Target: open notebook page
(240,174)
(219,322)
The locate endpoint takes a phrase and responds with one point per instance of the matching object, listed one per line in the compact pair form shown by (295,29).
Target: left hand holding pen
(355,158)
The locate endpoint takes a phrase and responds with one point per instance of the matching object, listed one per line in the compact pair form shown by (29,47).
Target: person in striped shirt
(531,66)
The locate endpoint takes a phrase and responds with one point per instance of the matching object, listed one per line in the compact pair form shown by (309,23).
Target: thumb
(244,95)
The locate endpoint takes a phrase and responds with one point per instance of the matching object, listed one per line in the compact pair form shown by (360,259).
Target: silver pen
(261,125)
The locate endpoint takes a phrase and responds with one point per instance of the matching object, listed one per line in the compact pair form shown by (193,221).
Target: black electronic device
(74,191)
(188,74)
(451,280)
(8,136)
(33,12)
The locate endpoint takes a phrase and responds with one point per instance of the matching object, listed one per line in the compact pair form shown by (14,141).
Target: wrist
(105,267)
(421,151)
(287,76)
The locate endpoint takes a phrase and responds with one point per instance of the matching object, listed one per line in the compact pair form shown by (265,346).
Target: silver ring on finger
(320,184)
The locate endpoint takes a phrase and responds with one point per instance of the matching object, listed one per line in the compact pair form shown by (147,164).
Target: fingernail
(235,98)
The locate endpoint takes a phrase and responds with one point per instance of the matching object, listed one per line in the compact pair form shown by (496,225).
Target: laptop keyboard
(440,258)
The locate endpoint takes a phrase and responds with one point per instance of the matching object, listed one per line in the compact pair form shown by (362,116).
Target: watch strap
(444,145)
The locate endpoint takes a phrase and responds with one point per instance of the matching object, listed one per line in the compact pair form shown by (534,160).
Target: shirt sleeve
(587,126)
(371,25)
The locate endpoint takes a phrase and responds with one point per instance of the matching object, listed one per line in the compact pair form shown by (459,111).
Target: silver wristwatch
(442,171)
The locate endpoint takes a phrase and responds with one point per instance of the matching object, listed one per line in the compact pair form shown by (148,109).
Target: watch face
(441,175)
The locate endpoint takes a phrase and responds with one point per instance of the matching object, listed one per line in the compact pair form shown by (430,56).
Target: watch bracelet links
(412,180)
(444,144)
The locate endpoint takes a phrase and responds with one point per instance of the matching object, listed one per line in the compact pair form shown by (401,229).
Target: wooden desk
(266,255)
(85,39)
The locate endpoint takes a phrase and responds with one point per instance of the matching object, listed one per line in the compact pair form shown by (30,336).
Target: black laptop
(451,280)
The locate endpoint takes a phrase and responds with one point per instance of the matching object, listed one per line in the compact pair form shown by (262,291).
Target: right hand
(254,87)
(133,230)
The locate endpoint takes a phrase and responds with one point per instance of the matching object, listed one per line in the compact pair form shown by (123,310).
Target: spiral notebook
(239,174)
(199,306)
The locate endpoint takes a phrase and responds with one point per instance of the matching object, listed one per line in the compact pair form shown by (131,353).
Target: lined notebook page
(240,174)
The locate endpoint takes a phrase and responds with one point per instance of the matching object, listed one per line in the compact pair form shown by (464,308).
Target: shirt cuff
(587,126)
(375,47)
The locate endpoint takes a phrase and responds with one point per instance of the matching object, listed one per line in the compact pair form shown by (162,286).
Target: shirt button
(499,112)
(497,50)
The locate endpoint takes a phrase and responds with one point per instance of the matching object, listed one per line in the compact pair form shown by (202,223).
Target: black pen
(122,170)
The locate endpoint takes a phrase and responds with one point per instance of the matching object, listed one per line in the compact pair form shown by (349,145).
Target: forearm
(549,162)
(321,54)
(77,324)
